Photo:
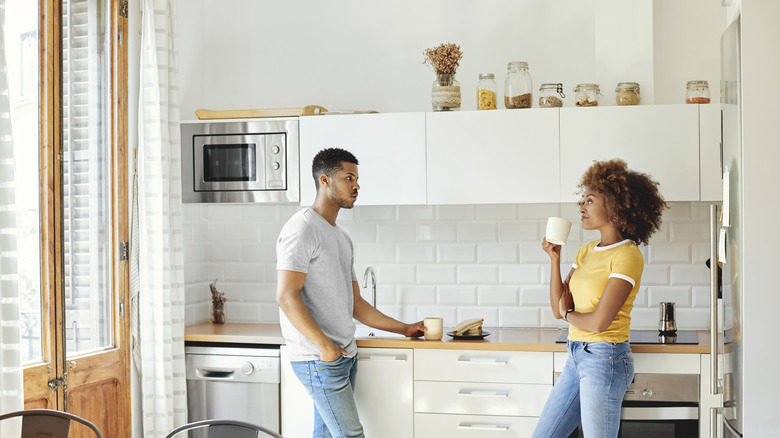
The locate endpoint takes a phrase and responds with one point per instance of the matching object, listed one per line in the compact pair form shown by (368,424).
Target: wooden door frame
(51,225)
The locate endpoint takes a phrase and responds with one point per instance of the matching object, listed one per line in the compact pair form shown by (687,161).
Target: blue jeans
(330,385)
(589,391)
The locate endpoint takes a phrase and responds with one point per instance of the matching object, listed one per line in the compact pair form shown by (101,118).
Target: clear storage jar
(551,95)
(697,92)
(486,92)
(587,95)
(518,87)
(627,93)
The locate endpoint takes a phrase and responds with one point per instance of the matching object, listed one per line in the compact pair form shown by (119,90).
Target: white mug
(434,327)
(557,230)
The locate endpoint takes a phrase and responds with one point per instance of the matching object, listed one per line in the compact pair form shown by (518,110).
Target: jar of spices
(518,87)
(551,96)
(627,93)
(697,92)
(486,92)
(587,95)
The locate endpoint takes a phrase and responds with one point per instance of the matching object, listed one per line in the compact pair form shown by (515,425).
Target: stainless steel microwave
(240,160)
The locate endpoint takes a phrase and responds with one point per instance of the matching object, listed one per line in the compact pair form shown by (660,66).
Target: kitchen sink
(363,331)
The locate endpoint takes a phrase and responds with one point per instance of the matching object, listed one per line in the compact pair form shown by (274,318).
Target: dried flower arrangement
(217,304)
(443,59)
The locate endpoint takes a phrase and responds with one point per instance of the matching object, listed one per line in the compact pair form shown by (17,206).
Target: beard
(342,201)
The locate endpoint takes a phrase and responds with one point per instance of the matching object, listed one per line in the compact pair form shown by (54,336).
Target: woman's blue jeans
(331,385)
(589,391)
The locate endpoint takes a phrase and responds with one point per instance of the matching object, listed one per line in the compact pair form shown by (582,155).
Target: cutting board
(308,110)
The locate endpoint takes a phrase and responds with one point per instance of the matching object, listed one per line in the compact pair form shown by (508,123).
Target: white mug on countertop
(434,327)
(557,230)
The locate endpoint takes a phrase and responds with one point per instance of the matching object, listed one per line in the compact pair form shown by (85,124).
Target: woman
(596,299)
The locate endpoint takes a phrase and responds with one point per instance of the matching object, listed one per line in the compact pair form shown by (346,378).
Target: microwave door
(229,163)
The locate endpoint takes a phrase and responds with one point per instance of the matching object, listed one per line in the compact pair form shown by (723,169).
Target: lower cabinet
(461,393)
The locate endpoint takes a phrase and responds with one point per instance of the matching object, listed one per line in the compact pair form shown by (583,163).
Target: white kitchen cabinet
(384,392)
(709,144)
(390,149)
(462,393)
(493,157)
(661,140)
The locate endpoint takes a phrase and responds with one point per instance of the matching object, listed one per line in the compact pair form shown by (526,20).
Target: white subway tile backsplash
(457,296)
(416,253)
(457,253)
(437,274)
(498,295)
(477,274)
(497,253)
(453,261)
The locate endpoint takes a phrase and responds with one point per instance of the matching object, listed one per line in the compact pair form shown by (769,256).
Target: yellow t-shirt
(593,267)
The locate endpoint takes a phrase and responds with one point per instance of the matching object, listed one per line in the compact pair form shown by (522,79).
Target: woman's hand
(567,300)
(553,250)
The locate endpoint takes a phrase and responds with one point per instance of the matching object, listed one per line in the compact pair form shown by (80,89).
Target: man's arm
(288,297)
(368,315)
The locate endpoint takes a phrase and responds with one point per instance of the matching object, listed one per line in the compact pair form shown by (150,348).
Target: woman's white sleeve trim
(623,277)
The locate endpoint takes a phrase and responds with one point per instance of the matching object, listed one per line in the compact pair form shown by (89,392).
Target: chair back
(48,422)
(226,429)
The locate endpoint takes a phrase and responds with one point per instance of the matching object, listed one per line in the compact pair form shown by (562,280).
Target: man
(318,296)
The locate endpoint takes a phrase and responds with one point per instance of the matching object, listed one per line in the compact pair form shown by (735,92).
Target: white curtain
(160,272)
(11,381)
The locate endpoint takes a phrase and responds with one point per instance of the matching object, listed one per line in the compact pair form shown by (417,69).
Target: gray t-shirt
(309,244)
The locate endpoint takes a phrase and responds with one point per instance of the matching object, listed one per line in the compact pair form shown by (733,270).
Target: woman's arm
(615,294)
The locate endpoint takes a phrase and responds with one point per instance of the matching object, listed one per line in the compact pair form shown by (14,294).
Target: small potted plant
(217,304)
(444,60)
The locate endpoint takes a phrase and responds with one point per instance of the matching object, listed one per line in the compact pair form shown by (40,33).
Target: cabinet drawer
(472,426)
(480,398)
(484,366)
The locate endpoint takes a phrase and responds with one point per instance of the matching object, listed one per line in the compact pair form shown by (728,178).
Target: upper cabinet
(660,140)
(710,153)
(390,149)
(493,157)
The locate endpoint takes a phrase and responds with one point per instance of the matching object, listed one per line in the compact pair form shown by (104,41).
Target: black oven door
(653,420)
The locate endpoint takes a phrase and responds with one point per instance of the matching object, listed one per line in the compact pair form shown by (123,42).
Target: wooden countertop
(504,339)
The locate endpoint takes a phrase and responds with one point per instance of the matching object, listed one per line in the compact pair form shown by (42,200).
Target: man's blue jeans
(589,391)
(331,386)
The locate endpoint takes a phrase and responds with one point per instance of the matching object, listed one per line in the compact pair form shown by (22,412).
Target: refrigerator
(726,247)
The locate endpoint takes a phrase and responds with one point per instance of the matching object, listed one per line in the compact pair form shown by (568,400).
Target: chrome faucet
(370,270)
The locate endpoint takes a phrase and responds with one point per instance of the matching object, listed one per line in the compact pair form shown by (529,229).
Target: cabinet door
(493,157)
(473,426)
(297,408)
(709,135)
(661,140)
(390,149)
(384,392)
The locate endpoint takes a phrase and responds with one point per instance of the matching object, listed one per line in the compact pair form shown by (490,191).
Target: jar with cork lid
(518,85)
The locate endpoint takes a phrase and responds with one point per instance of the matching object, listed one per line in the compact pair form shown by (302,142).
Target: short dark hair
(633,202)
(328,162)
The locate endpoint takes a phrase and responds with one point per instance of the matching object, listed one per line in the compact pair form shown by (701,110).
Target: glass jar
(551,95)
(587,95)
(445,93)
(697,92)
(627,93)
(486,92)
(518,87)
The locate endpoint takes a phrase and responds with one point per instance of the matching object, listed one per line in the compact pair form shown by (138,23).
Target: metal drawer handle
(483,393)
(484,360)
(383,357)
(214,374)
(483,426)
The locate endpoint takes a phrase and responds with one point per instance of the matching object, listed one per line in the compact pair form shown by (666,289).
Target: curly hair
(634,205)
(328,162)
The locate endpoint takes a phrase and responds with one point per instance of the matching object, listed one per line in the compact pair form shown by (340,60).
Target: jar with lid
(627,93)
(697,92)
(518,87)
(551,95)
(587,95)
(486,92)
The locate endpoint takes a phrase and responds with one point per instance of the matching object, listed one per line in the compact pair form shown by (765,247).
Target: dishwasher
(232,382)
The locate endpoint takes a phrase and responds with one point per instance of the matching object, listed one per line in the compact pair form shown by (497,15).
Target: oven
(659,405)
